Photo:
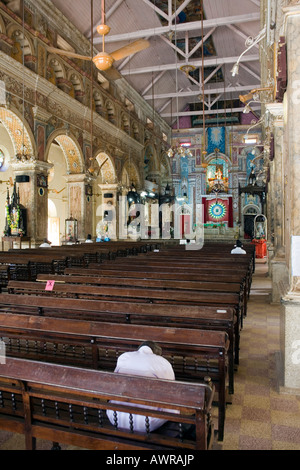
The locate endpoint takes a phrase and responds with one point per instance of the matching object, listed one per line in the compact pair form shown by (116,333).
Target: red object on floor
(260,248)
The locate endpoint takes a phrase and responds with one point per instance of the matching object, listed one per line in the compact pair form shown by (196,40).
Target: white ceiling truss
(174,29)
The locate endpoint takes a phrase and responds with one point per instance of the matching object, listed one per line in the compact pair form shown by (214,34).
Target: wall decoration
(215,139)
(88,190)
(217,175)
(217,210)
(41,181)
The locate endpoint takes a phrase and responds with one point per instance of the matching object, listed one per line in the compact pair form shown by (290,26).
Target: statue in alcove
(252,177)
(15,215)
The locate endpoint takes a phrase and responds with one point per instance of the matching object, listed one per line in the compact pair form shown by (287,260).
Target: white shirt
(238,250)
(45,245)
(142,362)
(88,241)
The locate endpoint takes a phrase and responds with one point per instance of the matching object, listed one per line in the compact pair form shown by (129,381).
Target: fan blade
(112,74)
(67,53)
(131,48)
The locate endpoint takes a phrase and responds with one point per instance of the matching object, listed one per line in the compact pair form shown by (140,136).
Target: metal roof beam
(182,27)
(212,91)
(208,62)
(207,112)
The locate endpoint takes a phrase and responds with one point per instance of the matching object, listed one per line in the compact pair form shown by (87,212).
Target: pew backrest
(69,405)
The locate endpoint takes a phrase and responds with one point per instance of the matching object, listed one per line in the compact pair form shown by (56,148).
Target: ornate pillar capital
(276,110)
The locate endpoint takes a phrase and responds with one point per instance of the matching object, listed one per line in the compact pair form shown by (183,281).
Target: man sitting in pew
(46,244)
(238,249)
(146,361)
(89,238)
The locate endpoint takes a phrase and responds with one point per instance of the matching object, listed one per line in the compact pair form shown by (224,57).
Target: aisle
(260,418)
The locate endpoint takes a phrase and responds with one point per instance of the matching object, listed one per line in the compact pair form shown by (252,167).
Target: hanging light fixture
(133,196)
(22,155)
(250,42)
(180,150)
(177,148)
(91,168)
(187,68)
(203,164)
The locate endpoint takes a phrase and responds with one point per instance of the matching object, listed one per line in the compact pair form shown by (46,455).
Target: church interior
(140,141)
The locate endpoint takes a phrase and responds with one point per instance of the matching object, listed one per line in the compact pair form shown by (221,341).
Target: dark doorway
(249,226)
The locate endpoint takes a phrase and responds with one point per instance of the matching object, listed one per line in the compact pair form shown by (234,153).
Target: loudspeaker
(22,179)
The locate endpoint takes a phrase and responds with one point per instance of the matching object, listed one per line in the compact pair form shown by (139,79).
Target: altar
(218,210)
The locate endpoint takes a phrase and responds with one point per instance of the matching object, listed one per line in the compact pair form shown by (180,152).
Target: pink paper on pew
(49,285)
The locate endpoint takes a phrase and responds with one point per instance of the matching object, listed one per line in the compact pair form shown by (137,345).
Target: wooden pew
(164,267)
(194,354)
(209,255)
(185,265)
(94,251)
(68,405)
(134,313)
(26,264)
(206,285)
(170,275)
(222,300)
(204,275)
(146,294)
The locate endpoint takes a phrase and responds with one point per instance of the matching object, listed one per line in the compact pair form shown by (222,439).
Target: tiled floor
(259,418)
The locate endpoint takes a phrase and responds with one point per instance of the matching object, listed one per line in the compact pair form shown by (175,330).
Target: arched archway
(23,48)
(65,158)
(71,150)
(151,163)
(106,168)
(106,202)
(165,170)
(18,152)
(250,211)
(130,175)
(20,134)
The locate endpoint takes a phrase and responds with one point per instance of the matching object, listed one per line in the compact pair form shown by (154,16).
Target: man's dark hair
(156,349)
(239,243)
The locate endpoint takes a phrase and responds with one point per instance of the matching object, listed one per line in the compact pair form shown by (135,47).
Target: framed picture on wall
(88,190)
(42,181)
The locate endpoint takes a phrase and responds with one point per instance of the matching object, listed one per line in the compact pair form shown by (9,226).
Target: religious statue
(252,177)
(15,215)
(218,174)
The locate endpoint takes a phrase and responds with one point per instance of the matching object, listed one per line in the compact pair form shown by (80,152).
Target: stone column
(79,203)
(278,269)
(33,190)
(290,317)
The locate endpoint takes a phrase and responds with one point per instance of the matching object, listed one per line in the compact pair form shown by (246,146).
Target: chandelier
(179,149)
(204,152)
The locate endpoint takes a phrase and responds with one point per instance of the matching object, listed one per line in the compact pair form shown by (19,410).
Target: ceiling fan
(104,60)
